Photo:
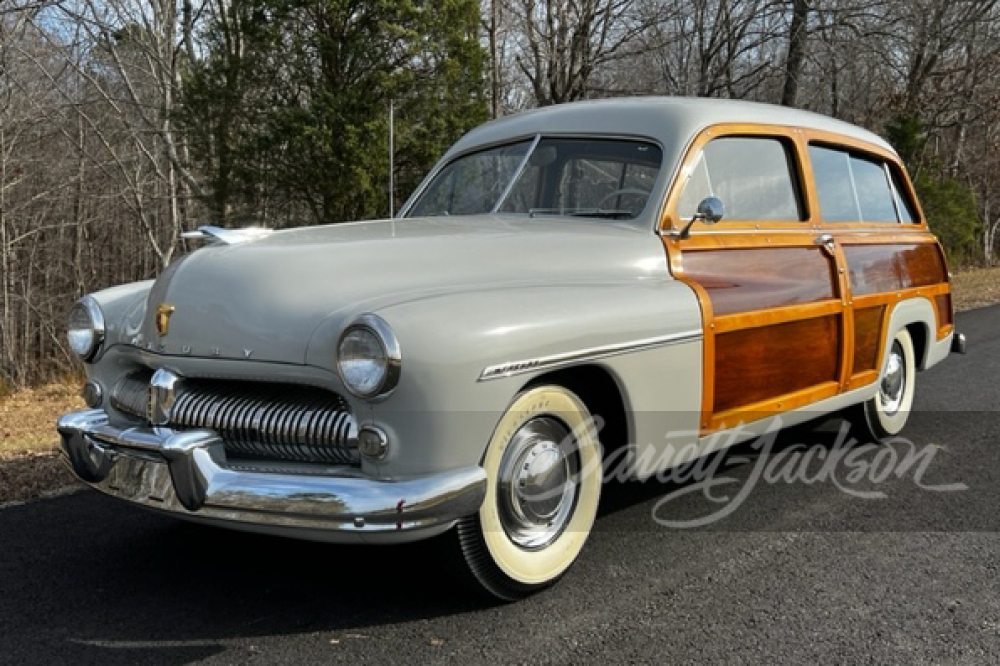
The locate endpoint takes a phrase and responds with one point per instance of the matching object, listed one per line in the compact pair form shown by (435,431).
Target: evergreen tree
(289,111)
(948,204)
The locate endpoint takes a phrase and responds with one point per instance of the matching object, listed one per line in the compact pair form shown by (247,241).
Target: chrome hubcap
(538,483)
(894,383)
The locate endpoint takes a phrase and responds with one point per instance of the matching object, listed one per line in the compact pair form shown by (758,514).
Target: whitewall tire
(885,414)
(544,475)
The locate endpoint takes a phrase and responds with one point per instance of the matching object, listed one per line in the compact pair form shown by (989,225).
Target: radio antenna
(392,158)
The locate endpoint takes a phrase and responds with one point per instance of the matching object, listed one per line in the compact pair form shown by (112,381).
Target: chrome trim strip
(186,474)
(807,228)
(511,368)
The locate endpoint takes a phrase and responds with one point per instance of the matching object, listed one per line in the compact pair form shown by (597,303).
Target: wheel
(544,474)
(885,414)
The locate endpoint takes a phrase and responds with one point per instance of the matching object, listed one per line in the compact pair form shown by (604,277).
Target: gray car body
(461,294)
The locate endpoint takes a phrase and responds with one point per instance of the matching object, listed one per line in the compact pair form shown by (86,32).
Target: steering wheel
(623,192)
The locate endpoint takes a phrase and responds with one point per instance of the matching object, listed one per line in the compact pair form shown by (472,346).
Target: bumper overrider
(185,473)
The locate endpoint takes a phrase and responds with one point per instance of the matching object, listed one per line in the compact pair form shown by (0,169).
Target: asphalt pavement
(823,567)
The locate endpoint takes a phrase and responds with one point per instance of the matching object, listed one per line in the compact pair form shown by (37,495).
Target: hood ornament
(223,236)
(163,312)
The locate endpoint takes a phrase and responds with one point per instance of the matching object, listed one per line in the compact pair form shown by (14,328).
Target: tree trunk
(797,35)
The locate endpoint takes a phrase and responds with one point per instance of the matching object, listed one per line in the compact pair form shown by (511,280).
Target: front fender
(124,308)
(443,411)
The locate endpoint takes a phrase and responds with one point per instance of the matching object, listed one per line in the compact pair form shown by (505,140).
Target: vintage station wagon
(640,275)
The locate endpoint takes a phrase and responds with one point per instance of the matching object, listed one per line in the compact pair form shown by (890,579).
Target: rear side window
(856,188)
(903,205)
(751,175)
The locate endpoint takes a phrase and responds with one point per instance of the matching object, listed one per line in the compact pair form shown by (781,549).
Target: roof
(661,118)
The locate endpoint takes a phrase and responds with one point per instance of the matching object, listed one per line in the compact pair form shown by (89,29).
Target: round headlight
(368,358)
(85,330)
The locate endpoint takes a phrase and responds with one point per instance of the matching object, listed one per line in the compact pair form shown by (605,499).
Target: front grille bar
(255,420)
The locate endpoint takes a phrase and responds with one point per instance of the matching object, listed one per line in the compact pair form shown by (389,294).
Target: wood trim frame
(801,138)
(743,320)
(676,265)
(944,321)
(792,136)
(743,234)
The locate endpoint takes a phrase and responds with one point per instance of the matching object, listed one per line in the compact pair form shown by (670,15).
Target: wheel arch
(919,334)
(603,396)
(917,316)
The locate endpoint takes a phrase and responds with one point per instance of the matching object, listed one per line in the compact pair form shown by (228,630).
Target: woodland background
(126,122)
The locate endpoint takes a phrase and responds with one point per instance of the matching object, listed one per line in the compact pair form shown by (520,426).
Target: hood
(264,299)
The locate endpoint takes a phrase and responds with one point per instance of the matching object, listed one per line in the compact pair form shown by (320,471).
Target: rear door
(865,201)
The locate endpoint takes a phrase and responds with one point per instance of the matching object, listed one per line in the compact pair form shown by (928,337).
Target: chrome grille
(131,394)
(255,419)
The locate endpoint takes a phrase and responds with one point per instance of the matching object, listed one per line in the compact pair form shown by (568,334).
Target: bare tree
(797,37)
(137,48)
(563,43)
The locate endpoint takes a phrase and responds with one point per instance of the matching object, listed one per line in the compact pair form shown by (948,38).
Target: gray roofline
(662,118)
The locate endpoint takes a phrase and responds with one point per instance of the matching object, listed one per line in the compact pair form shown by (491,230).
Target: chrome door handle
(828,243)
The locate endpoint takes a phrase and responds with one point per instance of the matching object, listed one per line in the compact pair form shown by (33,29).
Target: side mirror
(710,211)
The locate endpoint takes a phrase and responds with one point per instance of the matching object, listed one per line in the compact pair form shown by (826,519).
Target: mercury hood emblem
(163,312)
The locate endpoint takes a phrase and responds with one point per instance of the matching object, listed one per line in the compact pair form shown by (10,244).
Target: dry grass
(976,287)
(30,475)
(29,464)
(28,418)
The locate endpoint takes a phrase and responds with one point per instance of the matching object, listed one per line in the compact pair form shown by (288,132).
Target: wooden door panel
(748,279)
(757,364)
(945,310)
(867,338)
(881,274)
(775,317)
(885,268)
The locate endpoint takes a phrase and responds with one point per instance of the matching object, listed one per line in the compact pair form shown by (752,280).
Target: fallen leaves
(976,287)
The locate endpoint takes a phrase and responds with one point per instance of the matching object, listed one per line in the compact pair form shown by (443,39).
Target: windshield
(607,178)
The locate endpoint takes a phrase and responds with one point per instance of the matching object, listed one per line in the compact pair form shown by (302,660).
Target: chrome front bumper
(186,474)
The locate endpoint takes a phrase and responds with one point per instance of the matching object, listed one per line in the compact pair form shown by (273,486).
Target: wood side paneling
(946,316)
(747,279)
(882,268)
(757,364)
(867,337)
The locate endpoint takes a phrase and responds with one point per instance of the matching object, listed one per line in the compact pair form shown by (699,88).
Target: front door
(778,328)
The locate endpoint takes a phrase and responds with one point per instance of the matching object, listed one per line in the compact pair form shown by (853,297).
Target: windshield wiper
(616,214)
(601,212)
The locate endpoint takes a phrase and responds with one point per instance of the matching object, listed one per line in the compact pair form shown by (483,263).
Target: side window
(903,204)
(752,176)
(855,188)
(834,185)
(874,194)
